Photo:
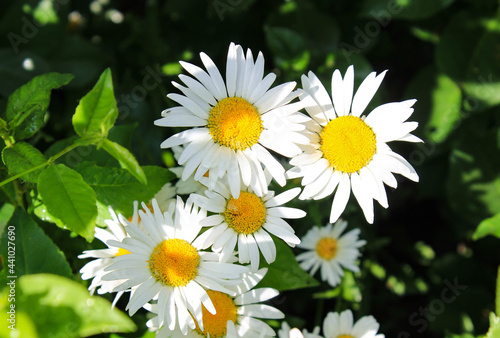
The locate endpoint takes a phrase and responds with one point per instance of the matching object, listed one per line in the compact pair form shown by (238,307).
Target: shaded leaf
(21,157)
(34,250)
(404,9)
(285,272)
(126,159)
(26,107)
(118,188)
(69,198)
(97,111)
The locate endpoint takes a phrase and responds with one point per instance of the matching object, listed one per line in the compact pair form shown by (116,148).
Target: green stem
(497,297)
(41,165)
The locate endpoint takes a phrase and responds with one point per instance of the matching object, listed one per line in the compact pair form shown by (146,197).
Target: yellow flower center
(174,262)
(121,252)
(216,325)
(245,214)
(327,247)
(348,143)
(345,336)
(235,123)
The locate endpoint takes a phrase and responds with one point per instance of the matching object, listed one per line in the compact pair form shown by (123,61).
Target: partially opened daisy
(235,121)
(349,150)
(163,264)
(104,257)
(342,325)
(246,222)
(330,251)
(238,316)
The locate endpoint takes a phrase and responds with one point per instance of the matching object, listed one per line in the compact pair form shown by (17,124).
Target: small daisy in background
(342,325)
(104,257)
(240,315)
(348,150)
(288,332)
(246,222)
(163,264)
(331,251)
(235,122)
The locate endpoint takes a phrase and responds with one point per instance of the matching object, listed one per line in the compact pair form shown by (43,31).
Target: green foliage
(21,157)
(59,306)
(405,9)
(35,252)
(285,272)
(97,112)
(69,198)
(126,159)
(490,226)
(27,106)
(113,187)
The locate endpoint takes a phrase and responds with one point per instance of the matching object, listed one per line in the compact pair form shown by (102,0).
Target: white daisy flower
(163,264)
(330,251)
(188,185)
(342,325)
(235,121)
(104,257)
(287,332)
(246,222)
(236,316)
(166,197)
(349,150)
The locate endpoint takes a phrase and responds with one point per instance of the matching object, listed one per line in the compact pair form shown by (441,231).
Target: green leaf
(6,212)
(403,9)
(439,98)
(61,307)
(118,188)
(285,272)
(34,250)
(473,182)
(288,48)
(497,292)
(126,159)
(490,226)
(494,330)
(97,111)
(465,54)
(26,107)
(21,157)
(69,198)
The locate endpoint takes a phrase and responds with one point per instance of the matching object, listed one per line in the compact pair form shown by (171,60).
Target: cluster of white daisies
(194,264)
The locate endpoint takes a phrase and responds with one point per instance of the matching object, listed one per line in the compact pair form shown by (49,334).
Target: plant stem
(41,165)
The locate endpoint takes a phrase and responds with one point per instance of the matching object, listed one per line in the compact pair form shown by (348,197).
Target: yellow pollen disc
(345,336)
(174,262)
(121,252)
(216,325)
(235,123)
(348,143)
(245,214)
(327,247)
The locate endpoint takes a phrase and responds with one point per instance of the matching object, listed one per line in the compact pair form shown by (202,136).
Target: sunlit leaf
(59,306)
(69,198)
(97,111)
(21,157)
